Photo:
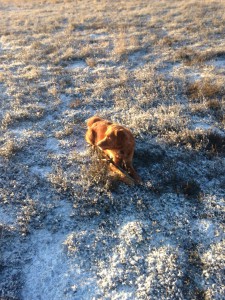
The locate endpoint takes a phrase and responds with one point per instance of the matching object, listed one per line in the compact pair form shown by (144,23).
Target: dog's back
(93,120)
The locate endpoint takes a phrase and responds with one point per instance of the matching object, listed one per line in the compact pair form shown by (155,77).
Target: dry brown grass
(8,149)
(205,89)
(156,67)
(201,140)
(27,112)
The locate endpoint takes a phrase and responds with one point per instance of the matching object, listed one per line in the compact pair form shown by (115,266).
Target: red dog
(116,142)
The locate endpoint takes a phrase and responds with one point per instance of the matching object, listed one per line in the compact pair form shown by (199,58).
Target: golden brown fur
(116,142)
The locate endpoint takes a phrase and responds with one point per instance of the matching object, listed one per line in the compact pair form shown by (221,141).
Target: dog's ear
(120,134)
(90,136)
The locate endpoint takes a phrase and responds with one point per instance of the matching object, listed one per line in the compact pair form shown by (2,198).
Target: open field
(67,229)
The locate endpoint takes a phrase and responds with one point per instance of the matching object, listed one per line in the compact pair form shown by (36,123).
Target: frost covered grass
(67,229)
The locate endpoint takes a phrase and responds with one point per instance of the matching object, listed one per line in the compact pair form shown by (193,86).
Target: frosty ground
(67,229)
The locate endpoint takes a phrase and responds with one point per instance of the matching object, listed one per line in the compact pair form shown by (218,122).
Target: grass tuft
(204,89)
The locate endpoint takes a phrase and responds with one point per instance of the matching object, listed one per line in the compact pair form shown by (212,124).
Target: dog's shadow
(144,157)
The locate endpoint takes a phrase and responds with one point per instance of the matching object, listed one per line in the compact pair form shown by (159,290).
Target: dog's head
(114,138)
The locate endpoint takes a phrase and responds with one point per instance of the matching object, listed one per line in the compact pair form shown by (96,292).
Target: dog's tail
(92,120)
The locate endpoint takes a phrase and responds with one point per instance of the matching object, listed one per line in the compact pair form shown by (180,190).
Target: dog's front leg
(121,175)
